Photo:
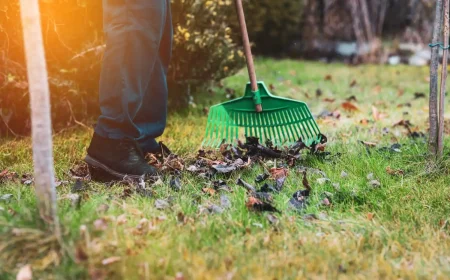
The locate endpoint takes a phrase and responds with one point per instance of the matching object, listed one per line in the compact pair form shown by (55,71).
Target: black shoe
(116,159)
(160,150)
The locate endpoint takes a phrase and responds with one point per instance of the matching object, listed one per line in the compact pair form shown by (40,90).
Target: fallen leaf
(349,107)
(224,169)
(353,83)
(100,224)
(175,183)
(351,98)
(322,181)
(330,100)
(391,171)
(277,173)
(318,92)
(328,78)
(370,216)
(418,95)
(6,197)
(209,191)
(368,144)
(75,200)
(80,254)
(111,260)
(225,201)
(271,87)
(246,185)
(122,219)
(375,183)
(257,205)
(161,204)
(279,183)
(264,196)
(305,182)
(78,186)
(179,276)
(310,217)
(25,273)
(375,114)
(261,177)
(325,202)
(272,219)
(377,89)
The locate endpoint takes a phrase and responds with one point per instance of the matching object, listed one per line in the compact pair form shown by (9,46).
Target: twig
(72,115)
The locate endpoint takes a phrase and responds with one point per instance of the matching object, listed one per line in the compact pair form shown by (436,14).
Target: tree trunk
(433,110)
(40,112)
(443,81)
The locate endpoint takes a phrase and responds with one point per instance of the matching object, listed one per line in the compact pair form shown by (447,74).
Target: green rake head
(282,121)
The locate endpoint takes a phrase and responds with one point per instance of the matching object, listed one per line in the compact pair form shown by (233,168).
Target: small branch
(72,115)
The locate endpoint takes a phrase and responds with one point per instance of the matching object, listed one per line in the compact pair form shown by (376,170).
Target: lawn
(396,228)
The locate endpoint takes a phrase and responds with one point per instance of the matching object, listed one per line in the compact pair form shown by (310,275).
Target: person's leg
(134,30)
(151,118)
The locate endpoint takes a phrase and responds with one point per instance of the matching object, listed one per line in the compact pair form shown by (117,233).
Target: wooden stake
(433,112)
(40,112)
(443,81)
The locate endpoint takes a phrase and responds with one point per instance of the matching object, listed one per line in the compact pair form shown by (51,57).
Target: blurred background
(207,45)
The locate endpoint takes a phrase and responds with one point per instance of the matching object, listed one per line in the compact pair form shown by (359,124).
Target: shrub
(204,49)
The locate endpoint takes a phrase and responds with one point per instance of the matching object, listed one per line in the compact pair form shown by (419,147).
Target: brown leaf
(353,83)
(349,107)
(320,147)
(122,219)
(25,273)
(351,98)
(252,201)
(376,114)
(80,254)
(305,181)
(377,89)
(328,78)
(111,260)
(278,173)
(391,171)
(364,121)
(179,276)
(209,191)
(271,87)
(331,100)
(418,95)
(326,202)
(100,224)
(400,92)
(318,92)
(255,204)
(370,216)
(369,144)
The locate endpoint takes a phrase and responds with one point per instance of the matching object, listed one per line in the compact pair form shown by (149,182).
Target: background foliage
(207,46)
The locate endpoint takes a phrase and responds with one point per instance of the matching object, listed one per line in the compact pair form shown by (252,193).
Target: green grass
(407,237)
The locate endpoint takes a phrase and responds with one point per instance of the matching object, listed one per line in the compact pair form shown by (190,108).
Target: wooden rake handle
(247,50)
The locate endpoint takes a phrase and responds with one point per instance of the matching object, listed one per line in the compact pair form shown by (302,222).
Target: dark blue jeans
(133,85)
